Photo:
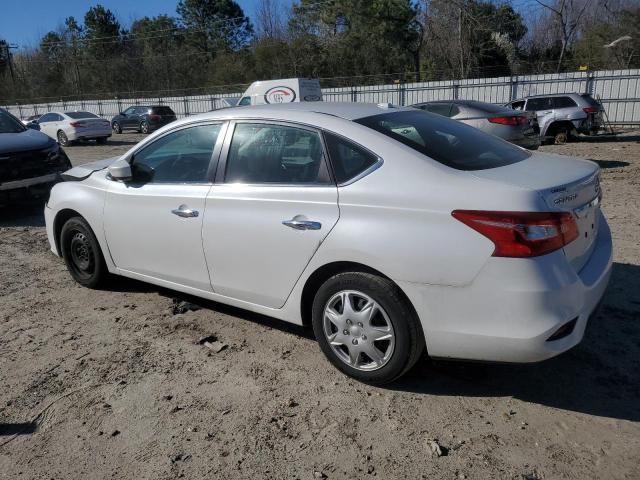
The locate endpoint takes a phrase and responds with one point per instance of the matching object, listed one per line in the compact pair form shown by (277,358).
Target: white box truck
(286,90)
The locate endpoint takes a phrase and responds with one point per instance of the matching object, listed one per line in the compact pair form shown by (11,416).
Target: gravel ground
(114,384)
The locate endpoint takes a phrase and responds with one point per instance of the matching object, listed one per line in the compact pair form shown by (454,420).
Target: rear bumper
(88,134)
(512,308)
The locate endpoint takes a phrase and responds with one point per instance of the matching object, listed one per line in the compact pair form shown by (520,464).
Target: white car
(388,230)
(67,127)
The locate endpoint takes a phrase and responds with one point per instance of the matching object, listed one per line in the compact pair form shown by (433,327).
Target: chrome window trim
(378,163)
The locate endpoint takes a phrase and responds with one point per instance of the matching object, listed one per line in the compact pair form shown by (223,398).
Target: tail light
(75,124)
(522,234)
(154,117)
(512,120)
(590,110)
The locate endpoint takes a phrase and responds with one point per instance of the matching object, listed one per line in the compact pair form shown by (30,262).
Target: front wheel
(115,126)
(366,328)
(63,140)
(81,253)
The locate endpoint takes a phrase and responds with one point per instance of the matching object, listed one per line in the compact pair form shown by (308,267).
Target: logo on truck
(279,95)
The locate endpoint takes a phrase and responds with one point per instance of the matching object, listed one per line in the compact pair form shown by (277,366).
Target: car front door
(153,223)
(272,205)
(127,118)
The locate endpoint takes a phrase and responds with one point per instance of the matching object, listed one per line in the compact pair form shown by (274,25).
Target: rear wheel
(366,328)
(63,139)
(81,253)
(144,127)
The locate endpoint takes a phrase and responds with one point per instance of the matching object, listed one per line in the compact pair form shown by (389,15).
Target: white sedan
(67,127)
(388,230)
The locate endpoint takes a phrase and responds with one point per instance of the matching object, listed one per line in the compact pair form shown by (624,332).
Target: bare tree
(271,19)
(569,14)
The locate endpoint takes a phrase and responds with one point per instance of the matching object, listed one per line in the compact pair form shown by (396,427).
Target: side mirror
(120,170)
(33,125)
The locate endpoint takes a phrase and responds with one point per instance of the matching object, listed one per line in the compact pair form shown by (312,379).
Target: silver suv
(561,116)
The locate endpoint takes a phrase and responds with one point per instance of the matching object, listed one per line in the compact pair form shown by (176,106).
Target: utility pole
(9,57)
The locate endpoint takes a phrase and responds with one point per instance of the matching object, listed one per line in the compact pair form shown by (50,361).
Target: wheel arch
(326,271)
(554,125)
(60,219)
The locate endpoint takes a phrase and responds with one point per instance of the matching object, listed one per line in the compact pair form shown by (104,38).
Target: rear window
(79,115)
(562,102)
(451,143)
(162,110)
(485,107)
(590,100)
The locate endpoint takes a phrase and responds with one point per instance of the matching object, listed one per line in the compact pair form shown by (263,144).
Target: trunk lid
(91,123)
(565,184)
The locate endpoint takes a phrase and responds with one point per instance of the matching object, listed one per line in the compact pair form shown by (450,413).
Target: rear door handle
(185,212)
(302,224)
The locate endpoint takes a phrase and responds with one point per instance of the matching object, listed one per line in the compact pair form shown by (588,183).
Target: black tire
(144,127)
(101,140)
(63,140)
(409,339)
(81,253)
(116,128)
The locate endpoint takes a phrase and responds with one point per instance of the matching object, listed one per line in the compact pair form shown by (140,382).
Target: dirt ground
(113,384)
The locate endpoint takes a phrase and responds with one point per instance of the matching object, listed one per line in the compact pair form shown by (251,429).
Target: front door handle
(185,212)
(297,224)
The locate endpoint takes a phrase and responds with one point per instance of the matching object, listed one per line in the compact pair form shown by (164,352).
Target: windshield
(79,115)
(10,124)
(448,142)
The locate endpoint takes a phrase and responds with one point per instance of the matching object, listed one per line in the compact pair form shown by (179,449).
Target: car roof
(344,110)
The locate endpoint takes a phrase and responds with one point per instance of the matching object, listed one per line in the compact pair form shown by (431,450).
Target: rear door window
(348,159)
(446,141)
(562,102)
(536,104)
(276,154)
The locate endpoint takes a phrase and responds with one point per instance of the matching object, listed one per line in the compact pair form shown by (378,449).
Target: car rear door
(153,223)
(271,207)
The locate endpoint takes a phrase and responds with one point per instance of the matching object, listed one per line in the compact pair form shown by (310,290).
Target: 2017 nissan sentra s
(30,162)
(388,230)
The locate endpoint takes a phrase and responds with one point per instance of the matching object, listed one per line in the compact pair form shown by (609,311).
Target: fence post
(186,106)
(63,105)
(99,108)
(119,104)
(590,82)
(20,110)
(513,90)
(354,94)
(402,92)
(213,102)
(456,88)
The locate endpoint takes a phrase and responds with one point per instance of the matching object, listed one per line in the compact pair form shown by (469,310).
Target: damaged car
(30,162)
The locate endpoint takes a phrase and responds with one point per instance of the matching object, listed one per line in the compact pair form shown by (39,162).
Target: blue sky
(24,22)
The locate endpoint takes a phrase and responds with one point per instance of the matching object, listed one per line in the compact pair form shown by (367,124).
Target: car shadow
(7,429)
(608,137)
(601,376)
(604,164)
(24,214)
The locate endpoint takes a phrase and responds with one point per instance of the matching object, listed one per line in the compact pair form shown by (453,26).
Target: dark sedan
(144,119)
(519,128)
(30,161)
